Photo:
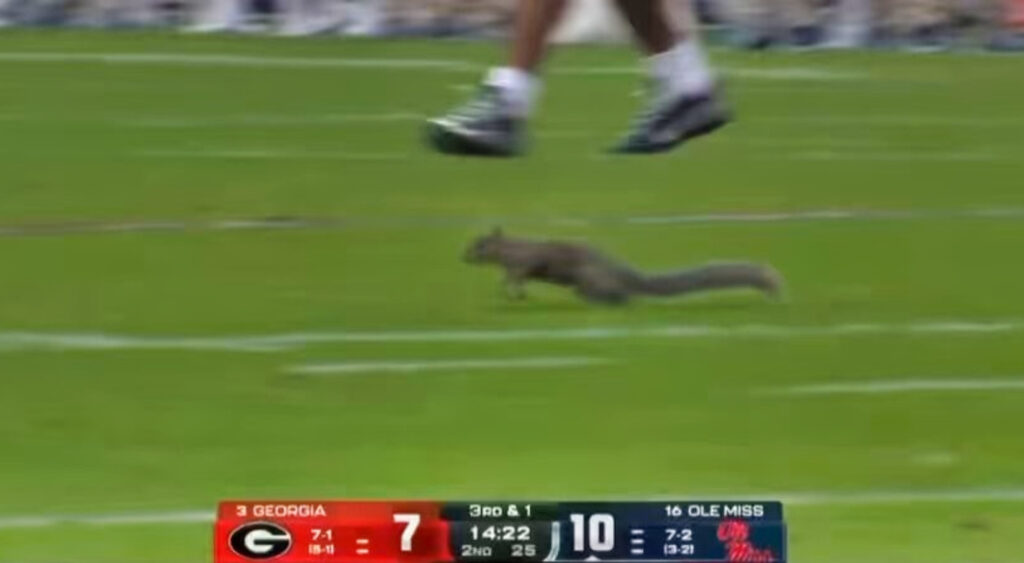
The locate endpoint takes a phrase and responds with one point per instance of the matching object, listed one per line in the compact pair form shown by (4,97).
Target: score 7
(411,521)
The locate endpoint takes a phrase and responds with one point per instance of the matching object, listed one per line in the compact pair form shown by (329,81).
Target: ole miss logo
(260,540)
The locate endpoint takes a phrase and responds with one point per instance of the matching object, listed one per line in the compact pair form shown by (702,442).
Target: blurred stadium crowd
(757,24)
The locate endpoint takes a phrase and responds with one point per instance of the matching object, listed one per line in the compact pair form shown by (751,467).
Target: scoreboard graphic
(498,532)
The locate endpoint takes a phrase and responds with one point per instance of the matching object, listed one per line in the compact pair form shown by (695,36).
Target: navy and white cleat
(483,127)
(669,123)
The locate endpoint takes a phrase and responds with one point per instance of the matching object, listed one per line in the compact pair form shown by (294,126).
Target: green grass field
(118,176)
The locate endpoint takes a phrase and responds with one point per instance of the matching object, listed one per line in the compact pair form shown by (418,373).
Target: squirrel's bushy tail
(714,276)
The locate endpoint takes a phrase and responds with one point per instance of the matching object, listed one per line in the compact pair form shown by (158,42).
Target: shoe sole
(449,141)
(707,117)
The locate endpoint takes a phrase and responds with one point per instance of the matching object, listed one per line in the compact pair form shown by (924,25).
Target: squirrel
(600,279)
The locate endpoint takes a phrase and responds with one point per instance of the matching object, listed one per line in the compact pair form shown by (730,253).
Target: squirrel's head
(485,248)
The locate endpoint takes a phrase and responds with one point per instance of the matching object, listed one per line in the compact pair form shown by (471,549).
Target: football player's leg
(534,22)
(217,15)
(493,122)
(363,17)
(851,24)
(1003,21)
(309,17)
(141,12)
(885,24)
(751,22)
(686,102)
(650,23)
(800,19)
(923,22)
(294,17)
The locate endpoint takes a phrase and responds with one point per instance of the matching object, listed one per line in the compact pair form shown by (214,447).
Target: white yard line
(853,155)
(880,497)
(17,341)
(402,115)
(113,519)
(767,73)
(234,60)
(905,497)
(901,120)
(779,217)
(843,155)
(408,367)
(796,74)
(810,498)
(268,154)
(386,63)
(828,215)
(936,459)
(880,387)
(408,115)
(29,341)
(811,143)
(265,120)
(309,223)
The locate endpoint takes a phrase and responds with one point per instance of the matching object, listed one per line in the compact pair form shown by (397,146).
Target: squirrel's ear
(498,232)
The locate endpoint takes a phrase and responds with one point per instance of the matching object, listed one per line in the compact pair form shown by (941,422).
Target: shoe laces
(647,116)
(484,103)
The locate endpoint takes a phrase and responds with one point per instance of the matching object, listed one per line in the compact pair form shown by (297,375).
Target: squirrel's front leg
(515,285)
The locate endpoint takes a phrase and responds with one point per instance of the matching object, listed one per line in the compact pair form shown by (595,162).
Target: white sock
(228,12)
(364,17)
(683,69)
(852,24)
(519,88)
(218,13)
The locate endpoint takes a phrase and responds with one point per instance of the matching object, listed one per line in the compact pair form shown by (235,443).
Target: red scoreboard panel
(373,532)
